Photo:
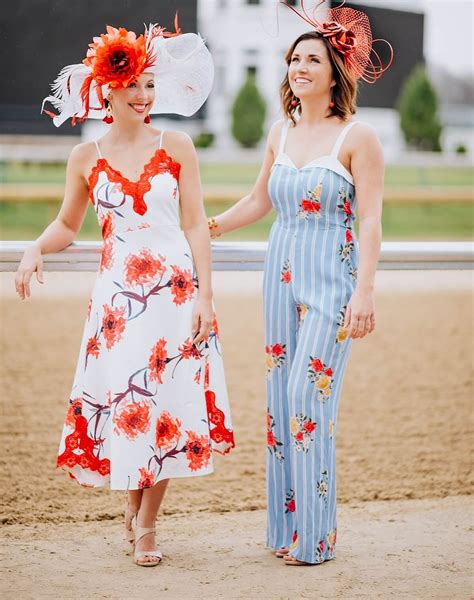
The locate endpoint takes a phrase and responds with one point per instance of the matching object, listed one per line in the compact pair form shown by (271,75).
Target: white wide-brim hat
(183,70)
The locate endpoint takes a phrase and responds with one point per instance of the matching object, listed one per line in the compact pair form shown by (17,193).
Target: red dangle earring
(331,102)
(295,101)
(147,119)
(108,117)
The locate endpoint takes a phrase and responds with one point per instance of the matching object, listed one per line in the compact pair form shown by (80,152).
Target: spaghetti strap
(161,138)
(98,149)
(283,134)
(340,139)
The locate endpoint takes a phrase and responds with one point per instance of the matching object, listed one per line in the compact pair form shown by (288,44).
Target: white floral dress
(146,404)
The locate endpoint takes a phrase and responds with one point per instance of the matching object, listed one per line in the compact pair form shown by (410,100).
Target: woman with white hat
(149,400)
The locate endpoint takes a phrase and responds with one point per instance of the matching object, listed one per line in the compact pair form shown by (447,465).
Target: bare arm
(367,166)
(195,228)
(257,204)
(62,231)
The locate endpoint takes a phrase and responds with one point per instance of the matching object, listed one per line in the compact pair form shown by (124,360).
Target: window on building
(253,1)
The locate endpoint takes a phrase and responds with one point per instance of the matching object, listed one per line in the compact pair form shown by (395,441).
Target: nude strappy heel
(140,533)
(129,533)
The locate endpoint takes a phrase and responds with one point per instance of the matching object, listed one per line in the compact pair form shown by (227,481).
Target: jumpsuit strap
(283,134)
(98,149)
(340,139)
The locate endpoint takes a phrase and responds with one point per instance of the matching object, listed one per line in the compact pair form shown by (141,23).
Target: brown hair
(344,93)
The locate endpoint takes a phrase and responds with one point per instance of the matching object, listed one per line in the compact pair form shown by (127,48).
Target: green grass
(246,174)
(406,221)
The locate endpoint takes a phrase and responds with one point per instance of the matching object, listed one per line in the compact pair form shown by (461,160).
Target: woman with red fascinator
(149,400)
(318,280)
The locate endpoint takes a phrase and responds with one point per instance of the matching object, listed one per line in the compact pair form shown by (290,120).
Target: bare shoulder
(82,158)
(83,152)
(363,133)
(179,144)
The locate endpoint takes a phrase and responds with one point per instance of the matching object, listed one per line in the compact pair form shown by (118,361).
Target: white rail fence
(250,256)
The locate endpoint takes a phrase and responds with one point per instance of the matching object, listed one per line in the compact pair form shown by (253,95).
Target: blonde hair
(344,93)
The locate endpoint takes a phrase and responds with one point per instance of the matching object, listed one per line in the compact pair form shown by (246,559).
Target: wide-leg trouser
(306,354)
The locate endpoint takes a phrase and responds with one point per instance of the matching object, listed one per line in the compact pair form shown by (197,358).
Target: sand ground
(404,453)
(409,549)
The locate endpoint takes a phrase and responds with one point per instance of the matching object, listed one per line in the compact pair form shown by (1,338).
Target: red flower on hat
(343,39)
(117,57)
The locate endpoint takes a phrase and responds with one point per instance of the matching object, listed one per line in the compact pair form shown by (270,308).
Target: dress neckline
(160,162)
(310,163)
(327,161)
(145,168)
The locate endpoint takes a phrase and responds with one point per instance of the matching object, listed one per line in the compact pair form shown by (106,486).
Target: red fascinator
(348,31)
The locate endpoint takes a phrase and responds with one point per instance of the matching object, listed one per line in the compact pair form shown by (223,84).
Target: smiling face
(135,101)
(310,71)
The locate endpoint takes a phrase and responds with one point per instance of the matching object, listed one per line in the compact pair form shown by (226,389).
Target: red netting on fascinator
(348,31)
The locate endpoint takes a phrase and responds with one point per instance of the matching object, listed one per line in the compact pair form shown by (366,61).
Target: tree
(248,114)
(418,108)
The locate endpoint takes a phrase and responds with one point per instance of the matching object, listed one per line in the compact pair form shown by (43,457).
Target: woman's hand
(32,261)
(360,314)
(202,320)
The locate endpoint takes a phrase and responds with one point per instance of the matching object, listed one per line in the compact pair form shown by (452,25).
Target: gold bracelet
(212,224)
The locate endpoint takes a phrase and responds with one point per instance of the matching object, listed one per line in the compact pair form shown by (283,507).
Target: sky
(449,34)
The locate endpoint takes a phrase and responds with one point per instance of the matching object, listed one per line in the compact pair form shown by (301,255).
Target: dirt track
(405,415)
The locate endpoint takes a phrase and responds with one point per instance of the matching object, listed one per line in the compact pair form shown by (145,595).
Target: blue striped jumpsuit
(310,275)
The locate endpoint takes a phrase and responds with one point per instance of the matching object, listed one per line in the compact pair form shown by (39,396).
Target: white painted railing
(250,256)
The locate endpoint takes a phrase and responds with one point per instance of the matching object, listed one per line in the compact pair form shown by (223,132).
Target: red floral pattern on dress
(182,285)
(189,350)
(198,450)
(143,268)
(219,432)
(79,450)
(147,479)
(157,361)
(168,431)
(107,256)
(93,347)
(75,408)
(113,325)
(133,419)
